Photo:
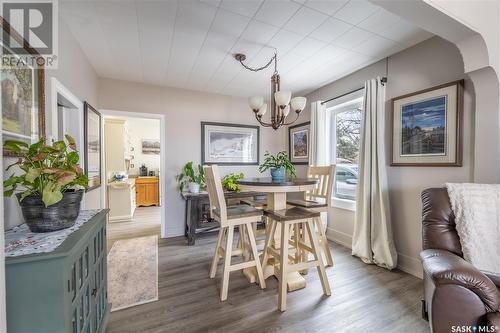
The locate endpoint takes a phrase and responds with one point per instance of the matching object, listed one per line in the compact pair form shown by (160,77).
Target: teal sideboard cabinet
(64,290)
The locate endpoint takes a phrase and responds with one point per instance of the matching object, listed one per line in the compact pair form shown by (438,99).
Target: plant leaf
(71,141)
(32,174)
(51,194)
(24,195)
(65,178)
(59,145)
(72,158)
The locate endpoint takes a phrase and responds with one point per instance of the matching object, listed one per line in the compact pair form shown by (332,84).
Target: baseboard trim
(339,237)
(410,265)
(174,232)
(406,263)
(121,218)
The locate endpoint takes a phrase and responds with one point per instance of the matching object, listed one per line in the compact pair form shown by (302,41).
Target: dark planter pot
(55,217)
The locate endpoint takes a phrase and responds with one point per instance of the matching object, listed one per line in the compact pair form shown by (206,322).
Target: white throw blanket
(477,218)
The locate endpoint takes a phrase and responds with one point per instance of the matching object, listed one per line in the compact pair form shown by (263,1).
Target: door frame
(163,161)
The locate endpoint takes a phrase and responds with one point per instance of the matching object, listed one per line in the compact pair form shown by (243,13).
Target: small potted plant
(229,182)
(279,164)
(194,179)
(51,185)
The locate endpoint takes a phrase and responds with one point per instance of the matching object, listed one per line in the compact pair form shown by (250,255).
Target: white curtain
(372,240)
(318,131)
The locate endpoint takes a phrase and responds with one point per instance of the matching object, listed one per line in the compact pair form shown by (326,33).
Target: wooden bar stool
(299,219)
(242,216)
(319,200)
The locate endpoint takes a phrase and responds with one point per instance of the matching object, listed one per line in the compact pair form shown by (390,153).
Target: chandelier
(281,101)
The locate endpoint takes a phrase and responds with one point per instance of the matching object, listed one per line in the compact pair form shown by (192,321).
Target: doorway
(133,164)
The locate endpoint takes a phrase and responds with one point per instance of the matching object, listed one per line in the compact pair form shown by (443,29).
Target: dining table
(276,200)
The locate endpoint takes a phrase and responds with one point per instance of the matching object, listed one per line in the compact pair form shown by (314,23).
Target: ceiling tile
(284,41)
(352,38)
(376,47)
(380,21)
(276,12)
(305,21)
(356,11)
(330,29)
(258,33)
(405,33)
(244,7)
(328,7)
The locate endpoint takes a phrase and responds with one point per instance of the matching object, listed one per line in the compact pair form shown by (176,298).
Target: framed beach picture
(93,139)
(427,127)
(298,143)
(229,144)
(22,96)
(151,146)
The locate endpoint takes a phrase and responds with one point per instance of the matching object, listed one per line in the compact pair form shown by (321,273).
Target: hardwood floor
(365,298)
(146,222)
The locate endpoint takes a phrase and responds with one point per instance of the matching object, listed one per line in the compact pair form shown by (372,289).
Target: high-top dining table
(276,200)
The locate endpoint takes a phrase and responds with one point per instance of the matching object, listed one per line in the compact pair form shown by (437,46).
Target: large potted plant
(279,164)
(194,178)
(51,184)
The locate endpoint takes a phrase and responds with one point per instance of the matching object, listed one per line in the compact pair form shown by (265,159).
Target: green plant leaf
(8,193)
(51,194)
(60,146)
(24,195)
(32,174)
(72,158)
(71,141)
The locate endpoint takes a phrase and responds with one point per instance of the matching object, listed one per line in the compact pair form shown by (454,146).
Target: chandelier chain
(274,58)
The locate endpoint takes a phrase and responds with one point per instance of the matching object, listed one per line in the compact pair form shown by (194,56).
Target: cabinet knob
(94,292)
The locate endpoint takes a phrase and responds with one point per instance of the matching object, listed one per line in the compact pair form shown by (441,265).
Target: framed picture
(427,127)
(229,144)
(151,146)
(92,144)
(22,96)
(298,143)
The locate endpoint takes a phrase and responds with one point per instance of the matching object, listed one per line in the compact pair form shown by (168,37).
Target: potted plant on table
(52,183)
(194,179)
(229,182)
(279,164)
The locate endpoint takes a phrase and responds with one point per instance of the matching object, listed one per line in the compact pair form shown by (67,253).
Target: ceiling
(189,43)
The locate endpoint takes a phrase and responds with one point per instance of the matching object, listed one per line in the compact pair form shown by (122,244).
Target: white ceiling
(189,43)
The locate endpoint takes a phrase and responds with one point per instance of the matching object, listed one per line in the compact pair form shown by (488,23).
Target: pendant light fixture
(281,101)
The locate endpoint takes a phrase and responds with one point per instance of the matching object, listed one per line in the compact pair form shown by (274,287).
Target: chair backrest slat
(215,192)
(326,178)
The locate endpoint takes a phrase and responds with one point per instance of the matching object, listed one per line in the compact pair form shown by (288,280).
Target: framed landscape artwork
(427,127)
(22,96)
(151,146)
(93,138)
(229,144)
(298,143)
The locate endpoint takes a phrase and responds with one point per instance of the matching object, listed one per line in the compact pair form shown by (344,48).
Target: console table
(197,211)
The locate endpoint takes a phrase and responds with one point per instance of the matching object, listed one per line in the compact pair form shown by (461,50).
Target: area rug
(133,272)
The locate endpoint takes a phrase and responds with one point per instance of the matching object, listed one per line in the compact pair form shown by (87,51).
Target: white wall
(138,129)
(427,64)
(76,74)
(184,111)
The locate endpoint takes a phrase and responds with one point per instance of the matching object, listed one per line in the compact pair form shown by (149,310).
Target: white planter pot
(194,187)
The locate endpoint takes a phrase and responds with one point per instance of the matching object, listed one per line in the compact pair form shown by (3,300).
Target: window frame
(344,105)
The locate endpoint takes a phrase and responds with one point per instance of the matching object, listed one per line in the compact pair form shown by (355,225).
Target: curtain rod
(383,80)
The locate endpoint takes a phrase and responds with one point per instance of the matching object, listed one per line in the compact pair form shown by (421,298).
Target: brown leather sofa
(456,294)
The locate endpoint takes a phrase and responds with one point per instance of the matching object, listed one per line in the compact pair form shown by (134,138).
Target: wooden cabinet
(63,291)
(147,191)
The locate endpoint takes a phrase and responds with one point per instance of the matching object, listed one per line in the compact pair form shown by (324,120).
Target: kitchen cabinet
(121,200)
(147,191)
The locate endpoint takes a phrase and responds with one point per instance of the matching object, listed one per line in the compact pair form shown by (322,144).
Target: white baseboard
(406,263)
(339,237)
(174,232)
(410,265)
(121,218)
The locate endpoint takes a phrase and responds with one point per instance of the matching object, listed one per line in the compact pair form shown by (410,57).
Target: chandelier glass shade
(281,101)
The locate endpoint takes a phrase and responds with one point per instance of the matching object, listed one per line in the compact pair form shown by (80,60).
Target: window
(345,121)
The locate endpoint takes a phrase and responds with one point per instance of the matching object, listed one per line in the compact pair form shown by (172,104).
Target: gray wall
(77,75)
(427,64)
(184,110)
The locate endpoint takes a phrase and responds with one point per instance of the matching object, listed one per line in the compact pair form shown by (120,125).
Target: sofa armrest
(445,268)
(493,277)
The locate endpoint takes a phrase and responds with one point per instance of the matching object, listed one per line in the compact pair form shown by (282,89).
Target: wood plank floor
(146,222)
(365,298)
